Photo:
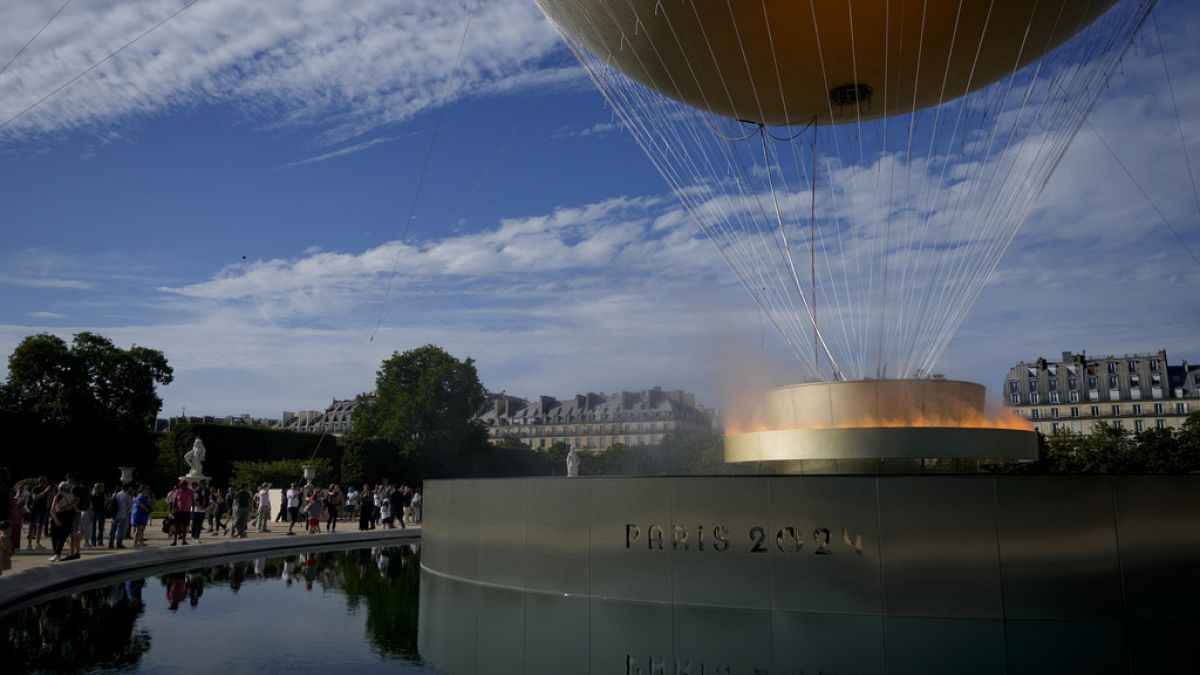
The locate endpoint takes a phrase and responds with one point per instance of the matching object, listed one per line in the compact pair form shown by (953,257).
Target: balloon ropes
(862,165)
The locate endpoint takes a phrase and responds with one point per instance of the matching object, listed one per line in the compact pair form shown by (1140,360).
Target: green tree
(424,404)
(84,406)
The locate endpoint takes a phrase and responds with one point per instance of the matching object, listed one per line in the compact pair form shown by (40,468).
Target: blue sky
(235,189)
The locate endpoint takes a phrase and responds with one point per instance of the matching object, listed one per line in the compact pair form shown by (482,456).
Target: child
(6,546)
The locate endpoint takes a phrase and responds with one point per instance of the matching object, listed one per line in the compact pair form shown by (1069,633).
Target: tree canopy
(84,406)
(424,404)
(90,381)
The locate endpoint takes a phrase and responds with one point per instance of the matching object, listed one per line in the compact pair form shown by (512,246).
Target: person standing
(313,511)
(264,508)
(416,504)
(182,505)
(20,503)
(39,512)
(99,512)
(218,512)
(243,511)
(200,501)
(120,520)
(397,502)
(62,520)
(140,516)
(293,507)
(333,505)
(6,545)
(366,517)
(352,503)
(81,503)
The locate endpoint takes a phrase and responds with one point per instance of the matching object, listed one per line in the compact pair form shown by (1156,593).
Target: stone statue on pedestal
(573,464)
(195,459)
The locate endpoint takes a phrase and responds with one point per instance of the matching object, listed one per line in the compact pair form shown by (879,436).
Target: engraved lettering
(757,535)
(654,536)
(721,535)
(658,667)
(821,539)
(700,537)
(631,666)
(632,532)
(787,541)
(855,543)
(678,537)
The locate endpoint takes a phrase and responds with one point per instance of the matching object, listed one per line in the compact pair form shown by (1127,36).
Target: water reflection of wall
(951,574)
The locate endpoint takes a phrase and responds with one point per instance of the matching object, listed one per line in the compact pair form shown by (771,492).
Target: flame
(970,419)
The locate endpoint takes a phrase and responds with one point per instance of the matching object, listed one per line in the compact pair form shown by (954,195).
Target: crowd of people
(73,516)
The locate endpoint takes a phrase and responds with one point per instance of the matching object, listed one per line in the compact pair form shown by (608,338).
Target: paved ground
(26,560)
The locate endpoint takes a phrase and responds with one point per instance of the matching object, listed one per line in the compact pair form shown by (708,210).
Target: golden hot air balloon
(791,61)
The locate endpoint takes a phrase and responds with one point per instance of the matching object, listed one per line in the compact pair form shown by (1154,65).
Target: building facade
(335,420)
(594,421)
(1134,392)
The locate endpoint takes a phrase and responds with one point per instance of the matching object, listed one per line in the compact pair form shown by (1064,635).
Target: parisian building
(593,422)
(1133,391)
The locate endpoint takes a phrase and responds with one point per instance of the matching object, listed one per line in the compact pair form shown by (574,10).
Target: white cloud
(349,69)
(47,315)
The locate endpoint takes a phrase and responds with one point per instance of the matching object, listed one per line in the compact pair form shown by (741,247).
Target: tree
(89,404)
(425,401)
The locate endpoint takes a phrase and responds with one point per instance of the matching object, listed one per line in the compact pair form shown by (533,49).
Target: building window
(1074,395)
(1155,379)
(1034,398)
(1054,397)
(1072,383)
(1153,366)
(1158,408)
(1036,413)
(1014,386)
(1054,427)
(1091,382)
(1132,365)
(1181,408)
(1118,425)
(1016,398)
(1113,383)
(1116,410)
(1074,412)
(1095,411)
(1160,424)
(1052,384)
(1054,412)
(1032,384)
(1139,426)
(1112,366)
(1137,409)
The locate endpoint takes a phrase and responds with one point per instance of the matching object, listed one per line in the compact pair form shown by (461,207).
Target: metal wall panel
(435,524)
(739,575)
(556,535)
(461,624)
(710,640)
(630,636)
(1058,547)
(1160,545)
(938,543)
(826,643)
(807,574)
(462,542)
(1163,647)
(500,646)
(927,646)
(556,634)
(502,532)
(1057,647)
(631,509)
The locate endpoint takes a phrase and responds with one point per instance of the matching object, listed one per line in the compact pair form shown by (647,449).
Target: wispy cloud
(45,282)
(309,62)
(47,315)
(341,152)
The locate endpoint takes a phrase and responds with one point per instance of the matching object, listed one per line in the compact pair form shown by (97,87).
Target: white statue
(573,464)
(195,458)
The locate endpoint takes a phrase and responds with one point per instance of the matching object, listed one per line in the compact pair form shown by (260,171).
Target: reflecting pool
(300,612)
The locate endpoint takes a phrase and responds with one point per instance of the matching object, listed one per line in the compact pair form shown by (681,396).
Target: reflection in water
(114,627)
